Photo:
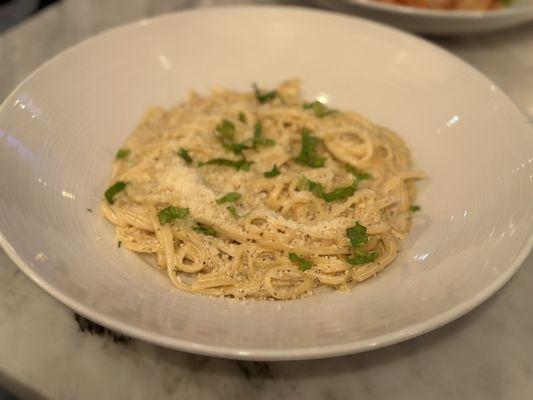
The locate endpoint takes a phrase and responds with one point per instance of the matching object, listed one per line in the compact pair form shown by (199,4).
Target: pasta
(261,195)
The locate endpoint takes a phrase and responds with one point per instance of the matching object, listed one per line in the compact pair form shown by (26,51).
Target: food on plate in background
(451,4)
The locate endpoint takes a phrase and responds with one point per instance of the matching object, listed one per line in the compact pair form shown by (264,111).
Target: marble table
(486,354)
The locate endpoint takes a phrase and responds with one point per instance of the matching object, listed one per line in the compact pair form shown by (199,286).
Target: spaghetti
(261,195)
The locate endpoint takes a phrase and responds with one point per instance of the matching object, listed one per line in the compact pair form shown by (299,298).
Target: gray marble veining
(485,355)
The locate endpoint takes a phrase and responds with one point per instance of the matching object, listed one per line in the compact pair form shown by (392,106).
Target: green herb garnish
(414,208)
(229,198)
(340,193)
(119,244)
(242,117)
(206,230)
(358,238)
(303,264)
(357,235)
(185,155)
(171,213)
(273,172)
(226,129)
(308,155)
(113,190)
(265,96)
(90,210)
(236,148)
(258,139)
(123,153)
(361,258)
(358,173)
(224,162)
(233,211)
(320,109)
(314,187)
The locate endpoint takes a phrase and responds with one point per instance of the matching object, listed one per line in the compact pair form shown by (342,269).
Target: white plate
(60,129)
(436,22)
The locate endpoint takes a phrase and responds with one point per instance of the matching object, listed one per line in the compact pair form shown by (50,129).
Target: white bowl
(436,22)
(60,129)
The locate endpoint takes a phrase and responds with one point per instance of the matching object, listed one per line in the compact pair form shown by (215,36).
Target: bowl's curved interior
(59,131)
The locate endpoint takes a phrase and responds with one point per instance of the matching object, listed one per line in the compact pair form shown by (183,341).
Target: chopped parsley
(308,155)
(206,230)
(358,238)
(171,213)
(242,117)
(361,258)
(273,172)
(258,139)
(185,155)
(113,190)
(414,208)
(303,264)
(320,109)
(226,129)
(224,162)
(357,235)
(123,153)
(119,244)
(236,148)
(229,198)
(314,187)
(233,211)
(358,173)
(89,209)
(263,97)
(339,193)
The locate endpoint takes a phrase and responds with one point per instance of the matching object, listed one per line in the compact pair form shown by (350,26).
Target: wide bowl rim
(303,353)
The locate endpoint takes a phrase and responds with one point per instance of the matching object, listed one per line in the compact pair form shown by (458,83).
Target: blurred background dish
(436,21)
(470,5)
